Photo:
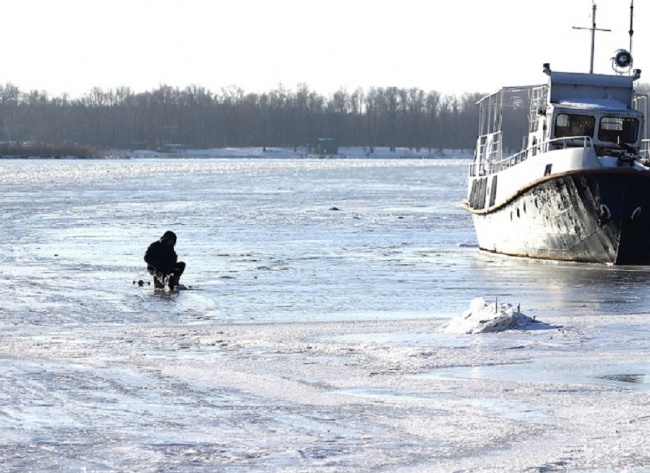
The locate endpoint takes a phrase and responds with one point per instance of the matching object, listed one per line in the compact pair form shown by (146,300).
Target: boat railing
(483,166)
(645,149)
(569,142)
(488,150)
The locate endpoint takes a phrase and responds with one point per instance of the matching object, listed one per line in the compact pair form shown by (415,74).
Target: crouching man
(162,262)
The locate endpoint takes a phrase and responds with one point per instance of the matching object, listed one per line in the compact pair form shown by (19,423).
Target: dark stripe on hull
(600,216)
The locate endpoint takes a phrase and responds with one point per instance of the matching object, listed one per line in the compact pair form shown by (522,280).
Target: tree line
(194,117)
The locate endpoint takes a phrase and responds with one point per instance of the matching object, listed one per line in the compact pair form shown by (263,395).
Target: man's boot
(157,283)
(171,281)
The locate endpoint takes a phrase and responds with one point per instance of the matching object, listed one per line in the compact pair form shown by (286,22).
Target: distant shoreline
(353,152)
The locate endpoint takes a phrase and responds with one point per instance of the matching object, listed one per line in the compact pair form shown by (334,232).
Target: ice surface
(314,338)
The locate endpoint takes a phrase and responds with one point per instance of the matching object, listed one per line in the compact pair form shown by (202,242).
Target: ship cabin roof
(591,89)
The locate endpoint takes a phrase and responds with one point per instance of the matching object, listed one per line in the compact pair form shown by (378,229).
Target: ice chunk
(482,317)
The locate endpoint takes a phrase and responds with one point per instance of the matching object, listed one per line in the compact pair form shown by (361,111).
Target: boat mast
(593,35)
(631,20)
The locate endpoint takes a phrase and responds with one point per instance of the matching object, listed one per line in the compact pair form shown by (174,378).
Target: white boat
(579,189)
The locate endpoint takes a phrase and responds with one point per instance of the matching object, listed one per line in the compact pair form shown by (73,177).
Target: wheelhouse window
(618,129)
(574,125)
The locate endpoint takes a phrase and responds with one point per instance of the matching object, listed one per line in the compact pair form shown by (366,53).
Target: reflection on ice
(629,378)
(510,409)
(568,288)
(569,372)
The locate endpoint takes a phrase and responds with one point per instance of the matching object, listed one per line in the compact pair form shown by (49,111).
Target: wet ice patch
(632,378)
(482,317)
(576,375)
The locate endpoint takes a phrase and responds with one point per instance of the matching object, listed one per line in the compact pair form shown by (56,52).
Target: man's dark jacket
(161,257)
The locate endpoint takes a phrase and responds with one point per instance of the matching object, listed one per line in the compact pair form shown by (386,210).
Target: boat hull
(596,216)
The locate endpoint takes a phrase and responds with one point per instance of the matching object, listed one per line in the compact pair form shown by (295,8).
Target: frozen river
(313,339)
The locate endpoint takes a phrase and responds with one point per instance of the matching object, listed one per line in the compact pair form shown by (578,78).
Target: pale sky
(452,46)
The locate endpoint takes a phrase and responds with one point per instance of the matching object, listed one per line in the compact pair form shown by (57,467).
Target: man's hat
(169,235)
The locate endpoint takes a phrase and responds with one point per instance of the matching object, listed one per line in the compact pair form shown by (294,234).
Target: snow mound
(482,317)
